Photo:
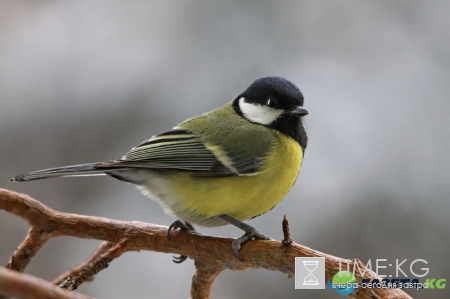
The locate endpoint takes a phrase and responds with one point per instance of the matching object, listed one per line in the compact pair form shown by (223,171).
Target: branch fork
(212,255)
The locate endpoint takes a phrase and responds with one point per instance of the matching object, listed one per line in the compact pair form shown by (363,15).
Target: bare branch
(34,241)
(101,263)
(204,278)
(19,285)
(104,246)
(212,254)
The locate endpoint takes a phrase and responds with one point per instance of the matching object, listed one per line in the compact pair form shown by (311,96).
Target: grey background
(84,81)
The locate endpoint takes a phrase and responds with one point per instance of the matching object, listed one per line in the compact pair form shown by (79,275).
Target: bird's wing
(180,149)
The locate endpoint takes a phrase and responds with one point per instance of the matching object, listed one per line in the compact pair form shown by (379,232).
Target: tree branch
(211,254)
(19,285)
(88,272)
(22,256)
(103,247)
(204,278)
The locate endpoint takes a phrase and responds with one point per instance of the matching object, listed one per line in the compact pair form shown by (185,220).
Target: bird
(226,166)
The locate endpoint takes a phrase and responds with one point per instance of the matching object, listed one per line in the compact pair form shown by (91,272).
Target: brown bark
(211,254)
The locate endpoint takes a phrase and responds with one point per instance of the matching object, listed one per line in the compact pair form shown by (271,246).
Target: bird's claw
(179,259)
(250,235)
(178,224)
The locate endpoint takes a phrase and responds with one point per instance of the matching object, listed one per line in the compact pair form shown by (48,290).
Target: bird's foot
(178,224)
(252,234)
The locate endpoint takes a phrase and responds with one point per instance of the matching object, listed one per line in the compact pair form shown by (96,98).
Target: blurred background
(84,81)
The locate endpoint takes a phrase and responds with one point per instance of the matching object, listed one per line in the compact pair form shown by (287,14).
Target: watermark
(343,282)
(310,273)
(380,264)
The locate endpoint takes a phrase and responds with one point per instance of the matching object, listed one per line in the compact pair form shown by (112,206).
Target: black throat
(287,124)
(293,127)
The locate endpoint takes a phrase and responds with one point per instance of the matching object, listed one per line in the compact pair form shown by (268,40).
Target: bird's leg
(250,233)
(182,226)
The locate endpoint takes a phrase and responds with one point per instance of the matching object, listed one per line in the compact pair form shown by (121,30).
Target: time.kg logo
(342,283)
(310,273)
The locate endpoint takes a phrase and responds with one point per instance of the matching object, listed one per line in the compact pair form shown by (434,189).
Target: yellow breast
(198,200)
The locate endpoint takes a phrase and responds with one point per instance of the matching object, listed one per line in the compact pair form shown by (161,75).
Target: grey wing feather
(181,150)
(176,149)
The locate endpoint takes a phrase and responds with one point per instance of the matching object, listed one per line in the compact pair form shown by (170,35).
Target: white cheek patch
(258,113)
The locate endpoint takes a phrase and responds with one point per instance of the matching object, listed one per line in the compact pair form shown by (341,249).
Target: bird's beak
(300,111)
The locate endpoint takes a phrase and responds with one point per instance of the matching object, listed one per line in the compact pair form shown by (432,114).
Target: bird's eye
(272,103)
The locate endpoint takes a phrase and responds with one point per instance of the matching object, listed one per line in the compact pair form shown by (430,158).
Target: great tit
(223,167)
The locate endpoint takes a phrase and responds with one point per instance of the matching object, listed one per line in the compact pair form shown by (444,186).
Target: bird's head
(274,102)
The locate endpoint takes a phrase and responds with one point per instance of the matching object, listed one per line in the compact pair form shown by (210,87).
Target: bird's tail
(74,170)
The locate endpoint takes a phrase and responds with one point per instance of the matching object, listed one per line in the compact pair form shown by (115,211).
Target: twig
(20,285)
(287,240)
(205,250)
(104,246)
(22,256)
(101,263)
